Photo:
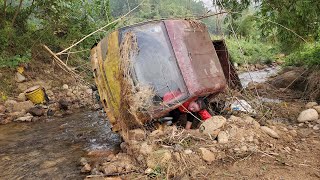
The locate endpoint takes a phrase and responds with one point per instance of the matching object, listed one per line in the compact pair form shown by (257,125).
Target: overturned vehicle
(136,66)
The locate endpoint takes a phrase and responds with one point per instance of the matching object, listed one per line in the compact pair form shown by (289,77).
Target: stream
(52,149)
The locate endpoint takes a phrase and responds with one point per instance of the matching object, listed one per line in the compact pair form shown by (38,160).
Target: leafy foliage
(309,55)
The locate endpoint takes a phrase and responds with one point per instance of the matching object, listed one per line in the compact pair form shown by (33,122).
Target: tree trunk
(4,9)
(17,12)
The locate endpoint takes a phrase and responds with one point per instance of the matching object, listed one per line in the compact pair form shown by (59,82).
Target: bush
(309,56)
(251,51)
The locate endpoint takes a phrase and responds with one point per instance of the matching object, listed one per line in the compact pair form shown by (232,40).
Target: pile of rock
(216,139)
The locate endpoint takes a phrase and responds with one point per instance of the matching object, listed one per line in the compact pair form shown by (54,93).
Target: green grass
(309,56)
(250,51)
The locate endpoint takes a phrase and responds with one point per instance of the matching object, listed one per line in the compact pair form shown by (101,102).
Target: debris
(159,158)
(308,115)
(137,134)
(243,106)
(207,155)
(270,132)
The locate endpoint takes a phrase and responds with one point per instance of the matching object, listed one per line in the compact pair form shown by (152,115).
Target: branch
(17,12)
(115,21)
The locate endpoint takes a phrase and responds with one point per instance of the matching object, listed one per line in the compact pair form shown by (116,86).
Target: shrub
(309,56)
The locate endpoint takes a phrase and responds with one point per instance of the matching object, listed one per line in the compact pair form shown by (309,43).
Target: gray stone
(212,124)
(308,115)
(223,137)
(270,132)
(311,104)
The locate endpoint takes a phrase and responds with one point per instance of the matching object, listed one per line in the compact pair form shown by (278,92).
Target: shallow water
(258,76)
(52,149)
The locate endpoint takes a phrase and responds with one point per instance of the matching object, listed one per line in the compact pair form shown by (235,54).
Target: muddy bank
(51,149)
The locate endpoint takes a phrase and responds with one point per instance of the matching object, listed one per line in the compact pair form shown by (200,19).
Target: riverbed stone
(207,155)
(270,132)
(308,115)
(27,118)
(37,111)
(311,104)
(19,77)
(65,86)
(20,106)
(86,168)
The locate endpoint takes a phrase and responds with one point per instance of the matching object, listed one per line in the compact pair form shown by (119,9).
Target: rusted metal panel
(230,74)
(196,57)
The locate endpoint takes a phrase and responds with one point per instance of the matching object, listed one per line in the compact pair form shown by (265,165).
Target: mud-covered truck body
(136,66)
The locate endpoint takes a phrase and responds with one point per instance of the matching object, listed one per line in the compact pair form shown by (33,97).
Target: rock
(9,104)
(270,132)
(317,108)
(291,78)
(308,115)
(148,171)
(146,149)
(110,169)
(27,118)
(300,124)
(65,86)
(137,134)
(21,97)
(83,161)
(212,124)
(318,121)
(207,155)
(316,128)
(293,133)
(188,151)
(223,137)
(89,91)
(159,158)
(63,104)
(50,93)
(19,77)
(37,111)
(311,104)
(2,109)
(244,148)
(86,168)
(70,94)
(20,106)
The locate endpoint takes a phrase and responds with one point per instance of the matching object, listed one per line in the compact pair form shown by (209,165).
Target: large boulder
(291,79)
(308,115)
(317,108)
